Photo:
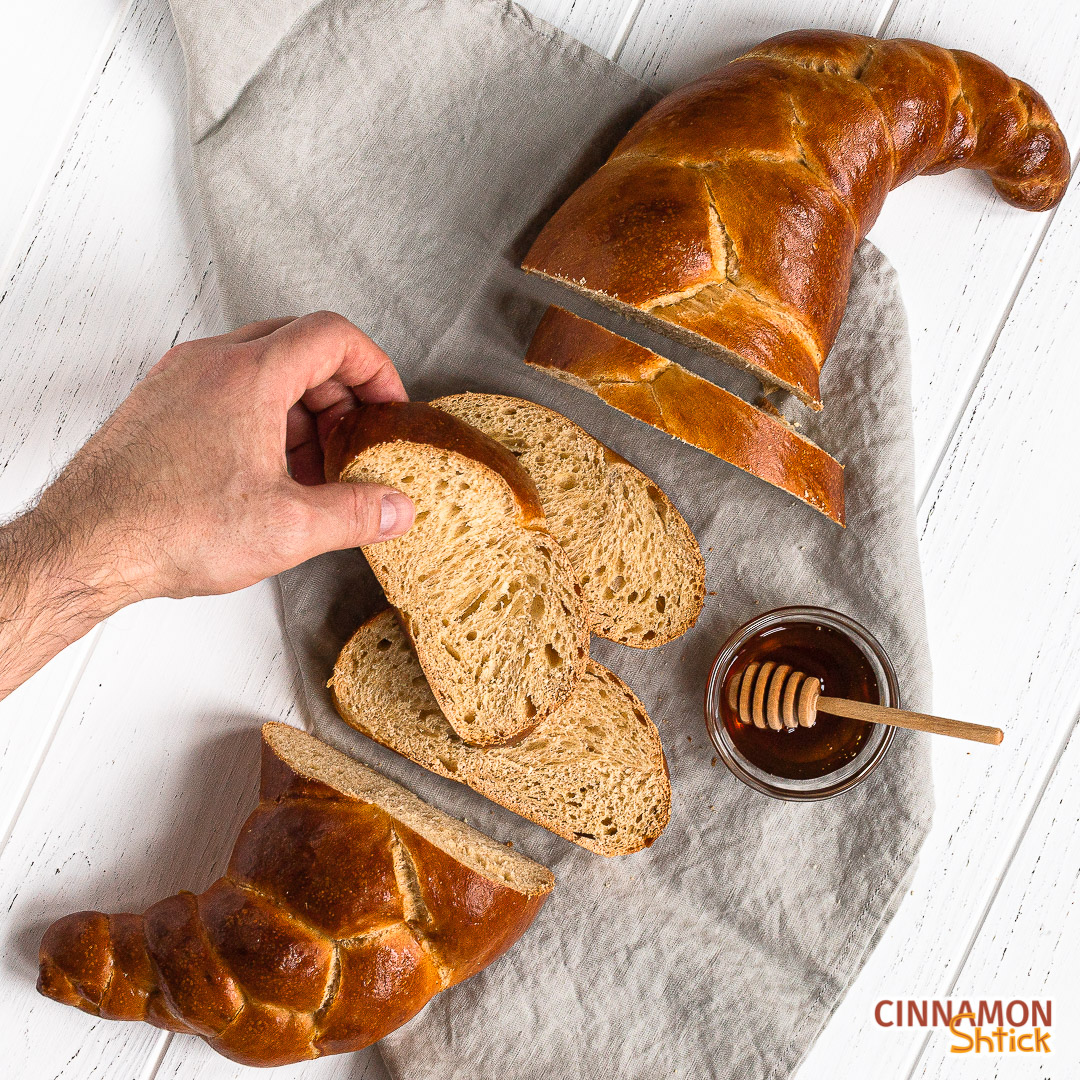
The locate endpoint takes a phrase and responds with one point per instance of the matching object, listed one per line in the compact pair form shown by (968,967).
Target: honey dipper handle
(936,725)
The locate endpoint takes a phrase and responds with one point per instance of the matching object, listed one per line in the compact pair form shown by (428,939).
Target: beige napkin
(391,160)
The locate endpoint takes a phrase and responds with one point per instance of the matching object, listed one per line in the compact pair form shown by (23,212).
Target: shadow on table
(219,788)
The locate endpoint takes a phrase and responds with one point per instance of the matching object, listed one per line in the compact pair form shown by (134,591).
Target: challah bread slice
(347,904)
(635,556)
(593,772)
(489,598)
(665,395)
(729,214)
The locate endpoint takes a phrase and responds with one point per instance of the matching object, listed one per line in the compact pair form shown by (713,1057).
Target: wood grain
(671,43)
(598,23)
(962,254)
(126,756)
(1022,599)
(50,59)
(1001,550)
(913,721)
(108,279)
(152,770)
(1029,939)
(960,251)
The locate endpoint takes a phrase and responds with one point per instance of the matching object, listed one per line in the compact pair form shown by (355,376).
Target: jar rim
(867,758)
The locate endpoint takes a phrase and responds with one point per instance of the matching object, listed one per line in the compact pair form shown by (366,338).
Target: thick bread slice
(490,600)
(651,388)
(593,772)
(294,757)
(637,559)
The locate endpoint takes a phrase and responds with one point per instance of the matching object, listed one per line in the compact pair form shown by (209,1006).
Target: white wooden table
(126,764)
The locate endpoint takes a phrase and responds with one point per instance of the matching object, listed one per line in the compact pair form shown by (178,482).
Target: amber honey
(830,655)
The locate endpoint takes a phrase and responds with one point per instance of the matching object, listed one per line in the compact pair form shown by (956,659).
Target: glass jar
(851,663)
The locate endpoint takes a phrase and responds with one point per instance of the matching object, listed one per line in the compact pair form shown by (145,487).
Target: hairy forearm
(207,479)
(52,592)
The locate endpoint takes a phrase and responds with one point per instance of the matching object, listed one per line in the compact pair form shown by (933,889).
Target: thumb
(352,515)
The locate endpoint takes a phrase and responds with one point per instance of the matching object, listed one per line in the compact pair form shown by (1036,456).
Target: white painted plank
(153,769)
(1001,549)
(113,272)
(210,1065)
(1029,943)
(50,55)
(109,272)
(960,250)
(119,268)
(598,23)
(672,43)
(28,721)
(192,1059)
(945,304)
(1008,464)
(116,268)
(120,223)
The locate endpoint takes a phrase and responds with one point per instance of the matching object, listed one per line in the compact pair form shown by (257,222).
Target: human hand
(185,489)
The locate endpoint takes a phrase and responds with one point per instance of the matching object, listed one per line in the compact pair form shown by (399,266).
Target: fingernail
(396,514)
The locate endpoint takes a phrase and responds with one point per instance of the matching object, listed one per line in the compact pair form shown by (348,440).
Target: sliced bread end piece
(593,772)
(310,759)
(489,598)
(665,395)
(636,557)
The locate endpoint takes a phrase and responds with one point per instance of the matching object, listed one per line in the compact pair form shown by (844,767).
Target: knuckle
(236,368)
(331,324)
(176,353)
(326,317)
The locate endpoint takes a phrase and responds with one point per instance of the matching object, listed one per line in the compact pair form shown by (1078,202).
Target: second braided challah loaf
(728,216)
(347,904)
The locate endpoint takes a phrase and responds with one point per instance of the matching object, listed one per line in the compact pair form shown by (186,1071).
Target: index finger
(314,349)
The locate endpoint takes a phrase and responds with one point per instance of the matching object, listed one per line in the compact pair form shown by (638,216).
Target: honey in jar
(803,753)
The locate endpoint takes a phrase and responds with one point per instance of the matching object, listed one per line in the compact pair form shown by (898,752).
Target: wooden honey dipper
(777,696)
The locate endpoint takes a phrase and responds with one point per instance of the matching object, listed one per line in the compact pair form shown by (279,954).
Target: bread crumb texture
(593,772)
(635,556)
(493,605)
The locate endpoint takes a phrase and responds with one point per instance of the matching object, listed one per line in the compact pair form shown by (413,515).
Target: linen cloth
(391,161)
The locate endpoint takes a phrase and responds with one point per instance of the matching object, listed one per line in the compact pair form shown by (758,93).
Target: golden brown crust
(471,920)
(651,388)
(418,422)
(76,960)
(385,980)
(311,944)
(266,1035)
(728,216)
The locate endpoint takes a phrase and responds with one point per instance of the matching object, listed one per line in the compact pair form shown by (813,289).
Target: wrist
(53,590)
(64,566)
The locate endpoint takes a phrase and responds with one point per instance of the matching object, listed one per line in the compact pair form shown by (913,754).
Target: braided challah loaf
(728,216)
(347,904)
